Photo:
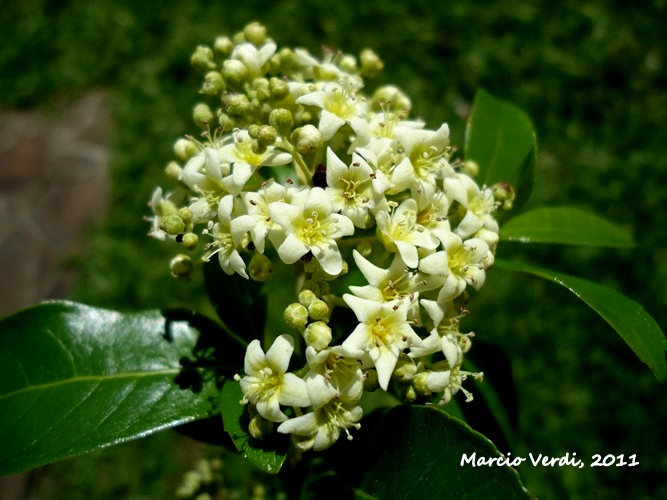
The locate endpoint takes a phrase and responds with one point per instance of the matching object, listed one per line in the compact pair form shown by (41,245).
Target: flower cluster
(295,164)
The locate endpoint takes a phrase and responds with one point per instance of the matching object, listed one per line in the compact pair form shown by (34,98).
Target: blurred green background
(592,76)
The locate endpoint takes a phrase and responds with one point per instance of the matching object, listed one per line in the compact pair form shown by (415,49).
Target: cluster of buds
(295,164)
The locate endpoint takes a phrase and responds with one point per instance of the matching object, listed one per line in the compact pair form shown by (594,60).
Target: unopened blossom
(311,226)
(253,58)
(383,333)
(267,384)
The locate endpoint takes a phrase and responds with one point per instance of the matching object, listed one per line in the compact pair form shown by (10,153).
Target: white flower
(246,161)
(356,189)
(400,232)
(341,371)
(339,106)
(266,383)
(311,226)
(228,235)
(461,263)
(383,333)
(257,205)
(426,157)
(252,58)
(323,425)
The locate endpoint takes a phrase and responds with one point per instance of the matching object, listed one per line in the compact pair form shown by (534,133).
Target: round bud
(185,213)
(405,369)
(253,130)
(181,266)
(202,115)
(214,84)
(365,248)
(173,170)
(318,309)
(504,193)
(470,168)
(255,33)
(235,104)
(260,267)
(278,88)
(391,98)
(259,427)
(190,241)
(172,224)
(223,46)
(235,73)
(267,135)
(261,89)
(296,316)
(306,139)
(202,58)
(311,285)
(348,63)
(227,123)
(317,335)
(184,149)
(371,64)
(281,120)
(306,297)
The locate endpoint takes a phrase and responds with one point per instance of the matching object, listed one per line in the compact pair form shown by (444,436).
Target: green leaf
(417,453)
(501,138)
(75,378)
(267,454)
(240,303)
(639,330)
(564,225)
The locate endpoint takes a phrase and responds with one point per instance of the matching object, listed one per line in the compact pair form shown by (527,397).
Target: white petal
(280,352)
(255,359)
(294,391)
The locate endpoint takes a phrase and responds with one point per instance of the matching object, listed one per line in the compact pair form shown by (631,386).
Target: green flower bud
(420,384)
(371,64)
(278,88)
(260,267)
(470,168)
(172,224)
(235,104)
(202,58)
(410,394)
(259,427)
(181,266)
(260,89)
(173,170)
(306,297)
(257,147)
(390,98)
(317,335)
(255,33)
(214,84)
(311,285)
(318,309)
(348,63)
(235,73)
(227,123)
(253,130)
(281,120)
(223,46)
(184,149)
(190,241)
(296,316)
(504,194)
(185,213)
(306,139)
(405,369)
(202,115)
(267,135)
(365,248)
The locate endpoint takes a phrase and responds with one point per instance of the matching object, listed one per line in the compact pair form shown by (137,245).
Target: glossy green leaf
(75,378)
(639,330)
(501,138)
(267,454)
(240,303)
(564,225)
(417,453)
